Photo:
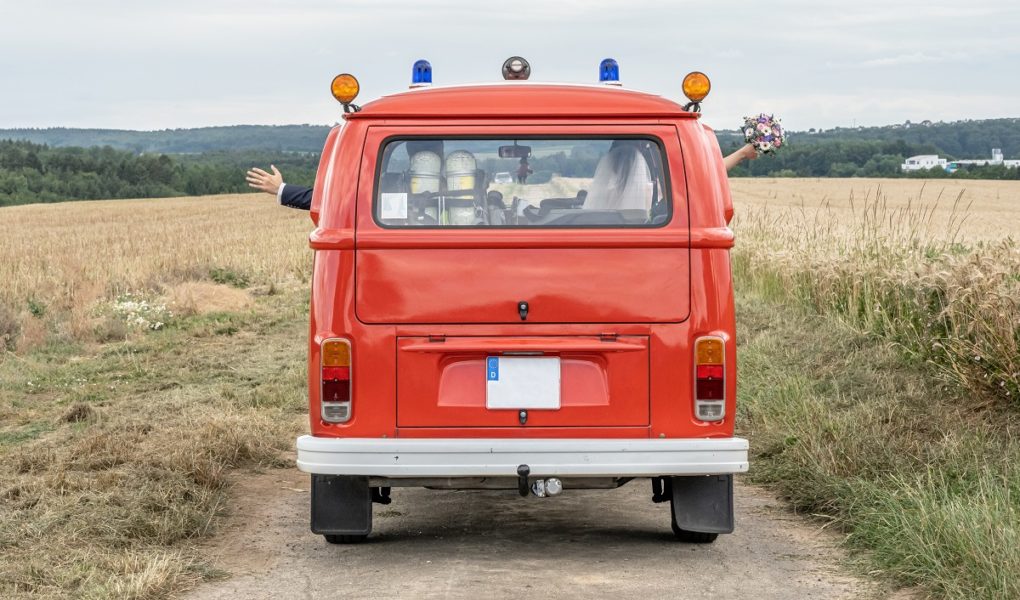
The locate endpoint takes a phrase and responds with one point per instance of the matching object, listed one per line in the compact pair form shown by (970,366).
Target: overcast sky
(153,64)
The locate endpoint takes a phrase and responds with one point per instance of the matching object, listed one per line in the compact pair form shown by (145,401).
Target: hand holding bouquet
(764,133)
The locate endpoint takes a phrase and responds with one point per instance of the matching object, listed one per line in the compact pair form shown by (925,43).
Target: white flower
(765,146)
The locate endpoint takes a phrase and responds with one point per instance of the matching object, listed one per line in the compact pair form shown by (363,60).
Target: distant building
(930,161)
(923,161)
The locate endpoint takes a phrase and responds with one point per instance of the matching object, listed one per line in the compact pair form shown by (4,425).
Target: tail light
(335,375)
(709,378)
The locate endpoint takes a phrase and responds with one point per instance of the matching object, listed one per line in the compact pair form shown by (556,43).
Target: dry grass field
(987,210)
(933,266)
(150,348)
(66,259)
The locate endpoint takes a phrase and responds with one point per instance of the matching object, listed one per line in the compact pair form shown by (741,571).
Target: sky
(151,64)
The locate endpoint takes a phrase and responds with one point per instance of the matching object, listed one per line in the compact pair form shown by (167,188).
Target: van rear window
(524,182)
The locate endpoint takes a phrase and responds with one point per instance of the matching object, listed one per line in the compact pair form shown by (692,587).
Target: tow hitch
(522,480)
(541,488)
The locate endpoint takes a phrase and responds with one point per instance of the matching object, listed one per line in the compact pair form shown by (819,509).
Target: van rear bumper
(391,457)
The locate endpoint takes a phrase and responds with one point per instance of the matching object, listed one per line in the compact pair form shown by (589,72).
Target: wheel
(344,539)
(693,537)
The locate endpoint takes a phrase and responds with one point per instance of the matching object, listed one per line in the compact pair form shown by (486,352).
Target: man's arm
(295,196)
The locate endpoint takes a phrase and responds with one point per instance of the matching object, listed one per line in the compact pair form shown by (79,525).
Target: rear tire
(344,539)
(693,537)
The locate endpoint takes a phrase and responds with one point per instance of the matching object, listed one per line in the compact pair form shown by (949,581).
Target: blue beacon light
(609,72)
(421,74)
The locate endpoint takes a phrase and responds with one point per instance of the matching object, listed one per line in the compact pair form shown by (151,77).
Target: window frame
(665,168)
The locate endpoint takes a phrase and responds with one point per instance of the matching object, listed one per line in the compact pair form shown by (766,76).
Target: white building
(930,161)
(923,161)
(996,159)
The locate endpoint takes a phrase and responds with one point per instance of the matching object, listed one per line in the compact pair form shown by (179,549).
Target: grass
(901,273)
(113,458)
(913,474)
(878,366)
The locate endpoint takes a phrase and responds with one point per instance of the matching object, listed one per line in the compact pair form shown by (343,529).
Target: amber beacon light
(696,87)
(345,89)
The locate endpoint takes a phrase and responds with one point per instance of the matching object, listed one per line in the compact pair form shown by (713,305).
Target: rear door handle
(522,309)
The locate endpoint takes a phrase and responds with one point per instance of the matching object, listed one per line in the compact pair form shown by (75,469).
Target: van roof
(515,99)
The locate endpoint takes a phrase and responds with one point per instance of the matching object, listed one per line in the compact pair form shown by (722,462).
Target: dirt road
(475,544)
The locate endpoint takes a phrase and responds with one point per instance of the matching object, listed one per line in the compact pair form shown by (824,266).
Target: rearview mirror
(514,151)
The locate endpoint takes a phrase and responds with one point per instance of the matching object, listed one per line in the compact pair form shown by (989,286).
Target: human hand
(748,152)
(263,181)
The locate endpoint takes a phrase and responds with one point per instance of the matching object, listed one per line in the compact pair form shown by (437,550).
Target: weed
(36,308)
(228,276)
(10,327)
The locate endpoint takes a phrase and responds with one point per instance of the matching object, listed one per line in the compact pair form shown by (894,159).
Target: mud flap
(703,503)
(341,505)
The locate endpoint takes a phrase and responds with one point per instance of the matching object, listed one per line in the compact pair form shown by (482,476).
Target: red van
(570,328)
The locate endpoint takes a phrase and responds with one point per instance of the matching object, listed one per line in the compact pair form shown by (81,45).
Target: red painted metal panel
(560,285)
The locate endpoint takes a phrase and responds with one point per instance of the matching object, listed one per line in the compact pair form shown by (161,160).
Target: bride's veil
(622,181)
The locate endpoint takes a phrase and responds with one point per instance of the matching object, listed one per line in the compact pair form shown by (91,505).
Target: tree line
(32,172)
(854,158)
(272,138)
(49,165)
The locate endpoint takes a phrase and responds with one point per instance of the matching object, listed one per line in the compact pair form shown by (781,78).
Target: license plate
(531,382)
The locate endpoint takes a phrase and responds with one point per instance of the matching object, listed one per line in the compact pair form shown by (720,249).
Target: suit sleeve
(296,196)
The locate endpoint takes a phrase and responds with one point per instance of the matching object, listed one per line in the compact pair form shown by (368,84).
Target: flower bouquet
(764,133)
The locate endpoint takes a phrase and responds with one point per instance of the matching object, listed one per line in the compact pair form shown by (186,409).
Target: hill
(958,139)
(272,138)
(879,151)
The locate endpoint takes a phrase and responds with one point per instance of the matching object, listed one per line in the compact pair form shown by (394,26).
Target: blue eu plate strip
(492,368)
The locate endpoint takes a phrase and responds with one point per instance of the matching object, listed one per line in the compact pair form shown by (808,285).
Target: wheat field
(66,259)
(980,210)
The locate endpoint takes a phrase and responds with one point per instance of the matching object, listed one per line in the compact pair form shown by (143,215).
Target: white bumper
(388,457)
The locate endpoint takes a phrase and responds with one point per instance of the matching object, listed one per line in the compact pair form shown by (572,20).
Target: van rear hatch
(587,233)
